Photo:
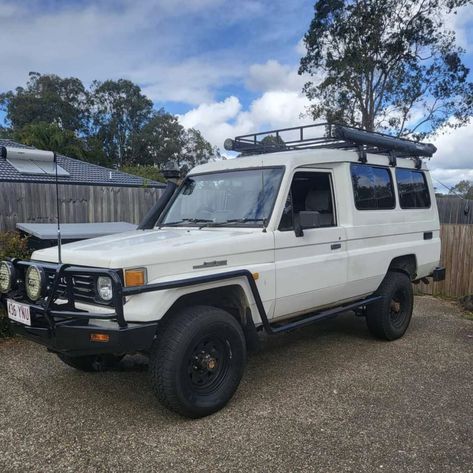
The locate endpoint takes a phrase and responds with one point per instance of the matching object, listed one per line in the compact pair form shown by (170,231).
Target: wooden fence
(36,203)
(457,257)
(455,210)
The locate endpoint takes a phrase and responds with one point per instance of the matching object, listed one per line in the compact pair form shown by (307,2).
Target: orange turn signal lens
(135,277)
(255,276)
(99,337)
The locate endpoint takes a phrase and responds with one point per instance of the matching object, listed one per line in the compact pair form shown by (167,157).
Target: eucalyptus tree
(387,64)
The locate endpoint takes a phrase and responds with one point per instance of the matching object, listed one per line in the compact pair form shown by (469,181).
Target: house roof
(80,172)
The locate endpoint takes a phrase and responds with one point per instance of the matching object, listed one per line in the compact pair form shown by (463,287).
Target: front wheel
(389,318)
(197,361)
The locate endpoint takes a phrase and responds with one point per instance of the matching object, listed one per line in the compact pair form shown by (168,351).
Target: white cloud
(454,149)
(301,50)
(274,76)
(191,81)
(280,105)
(146,41)
(453,160)
(461,23)
(226,119)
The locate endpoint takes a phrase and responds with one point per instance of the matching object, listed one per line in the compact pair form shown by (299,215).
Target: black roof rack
(330,135)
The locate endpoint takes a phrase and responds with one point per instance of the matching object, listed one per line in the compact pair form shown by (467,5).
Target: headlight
(35,282)
(104,288)
(7,276)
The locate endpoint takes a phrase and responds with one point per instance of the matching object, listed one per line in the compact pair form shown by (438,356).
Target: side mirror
(298,231)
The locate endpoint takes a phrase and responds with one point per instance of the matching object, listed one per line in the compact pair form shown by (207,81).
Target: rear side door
(311,270)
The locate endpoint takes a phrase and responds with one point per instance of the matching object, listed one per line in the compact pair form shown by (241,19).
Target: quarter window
(412,188)
(372,187)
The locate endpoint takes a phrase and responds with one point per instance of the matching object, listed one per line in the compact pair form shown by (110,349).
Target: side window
(309,200)
(413,189)
(372,187)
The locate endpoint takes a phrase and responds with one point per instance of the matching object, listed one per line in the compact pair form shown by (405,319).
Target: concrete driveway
(327,398)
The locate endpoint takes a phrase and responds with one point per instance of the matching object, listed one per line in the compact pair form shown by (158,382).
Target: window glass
(413,189)
(309,200)
(243,197)
(372,187)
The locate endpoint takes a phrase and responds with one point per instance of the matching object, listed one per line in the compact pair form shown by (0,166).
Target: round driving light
(7,276)
(104,288)
(35,281)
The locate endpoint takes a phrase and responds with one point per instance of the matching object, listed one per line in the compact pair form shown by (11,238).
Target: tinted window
(373,187)
(412,188)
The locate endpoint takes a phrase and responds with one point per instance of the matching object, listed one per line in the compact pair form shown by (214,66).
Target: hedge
(12,245)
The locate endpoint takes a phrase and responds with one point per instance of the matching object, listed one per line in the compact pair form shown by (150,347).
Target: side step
(319,316)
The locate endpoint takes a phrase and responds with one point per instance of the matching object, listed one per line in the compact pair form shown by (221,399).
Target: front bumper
(59,325)
(74,338)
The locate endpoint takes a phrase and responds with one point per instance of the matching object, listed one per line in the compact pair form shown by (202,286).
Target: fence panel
(457,257)
(36,203)
(455,210)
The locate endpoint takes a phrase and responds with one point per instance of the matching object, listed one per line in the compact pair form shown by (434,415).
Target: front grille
(83,286)
(77,284)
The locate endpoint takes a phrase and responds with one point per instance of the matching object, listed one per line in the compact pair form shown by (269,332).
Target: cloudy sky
(226,67)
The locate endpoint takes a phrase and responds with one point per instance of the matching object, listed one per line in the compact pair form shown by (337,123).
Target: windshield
(225,198)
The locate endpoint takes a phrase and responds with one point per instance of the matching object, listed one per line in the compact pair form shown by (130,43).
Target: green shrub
(148,172)
(12,245)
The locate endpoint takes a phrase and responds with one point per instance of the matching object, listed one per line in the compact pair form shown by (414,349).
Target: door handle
(335,246)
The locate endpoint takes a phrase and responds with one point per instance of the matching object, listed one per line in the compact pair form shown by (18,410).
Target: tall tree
(49,136)
(47,98)
(119,111)
(112,123)
(196,150)
(463,188)
(387,64)
(161,140)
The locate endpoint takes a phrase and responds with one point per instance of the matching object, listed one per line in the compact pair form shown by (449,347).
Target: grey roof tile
(80,172)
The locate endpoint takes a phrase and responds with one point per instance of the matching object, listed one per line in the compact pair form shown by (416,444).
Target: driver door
(311,270)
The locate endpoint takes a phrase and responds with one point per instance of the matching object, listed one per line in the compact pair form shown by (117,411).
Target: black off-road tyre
(197,360)
(90,363)
(389,318)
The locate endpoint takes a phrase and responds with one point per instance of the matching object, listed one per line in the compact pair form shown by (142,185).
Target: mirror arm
(298,231)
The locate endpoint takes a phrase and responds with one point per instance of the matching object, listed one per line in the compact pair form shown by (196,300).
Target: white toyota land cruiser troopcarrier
(306,223)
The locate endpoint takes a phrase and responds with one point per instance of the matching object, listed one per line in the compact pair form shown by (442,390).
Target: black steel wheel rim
(208,364)
(397,310)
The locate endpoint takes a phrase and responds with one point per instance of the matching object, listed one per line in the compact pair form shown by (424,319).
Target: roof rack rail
(333,136)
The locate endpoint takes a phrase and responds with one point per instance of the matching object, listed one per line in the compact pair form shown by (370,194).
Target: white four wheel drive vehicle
(294,230)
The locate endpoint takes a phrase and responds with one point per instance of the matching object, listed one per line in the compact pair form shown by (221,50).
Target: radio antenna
(58,214)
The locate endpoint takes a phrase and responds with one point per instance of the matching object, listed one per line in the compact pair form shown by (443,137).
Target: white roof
(299,158)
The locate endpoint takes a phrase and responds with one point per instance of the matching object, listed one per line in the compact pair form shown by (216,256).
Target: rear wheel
(197,361)
(90,363)
(389,318)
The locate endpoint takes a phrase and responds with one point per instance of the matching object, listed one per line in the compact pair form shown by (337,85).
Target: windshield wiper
(232,220)
(186,220)
(245,220)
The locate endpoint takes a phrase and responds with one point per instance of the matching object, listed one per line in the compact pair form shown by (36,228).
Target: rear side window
(412,188)
(373,187)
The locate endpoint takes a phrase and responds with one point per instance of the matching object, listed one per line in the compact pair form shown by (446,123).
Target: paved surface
(327,398)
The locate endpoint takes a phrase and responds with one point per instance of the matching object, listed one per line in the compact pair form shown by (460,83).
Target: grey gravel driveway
(328,398)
